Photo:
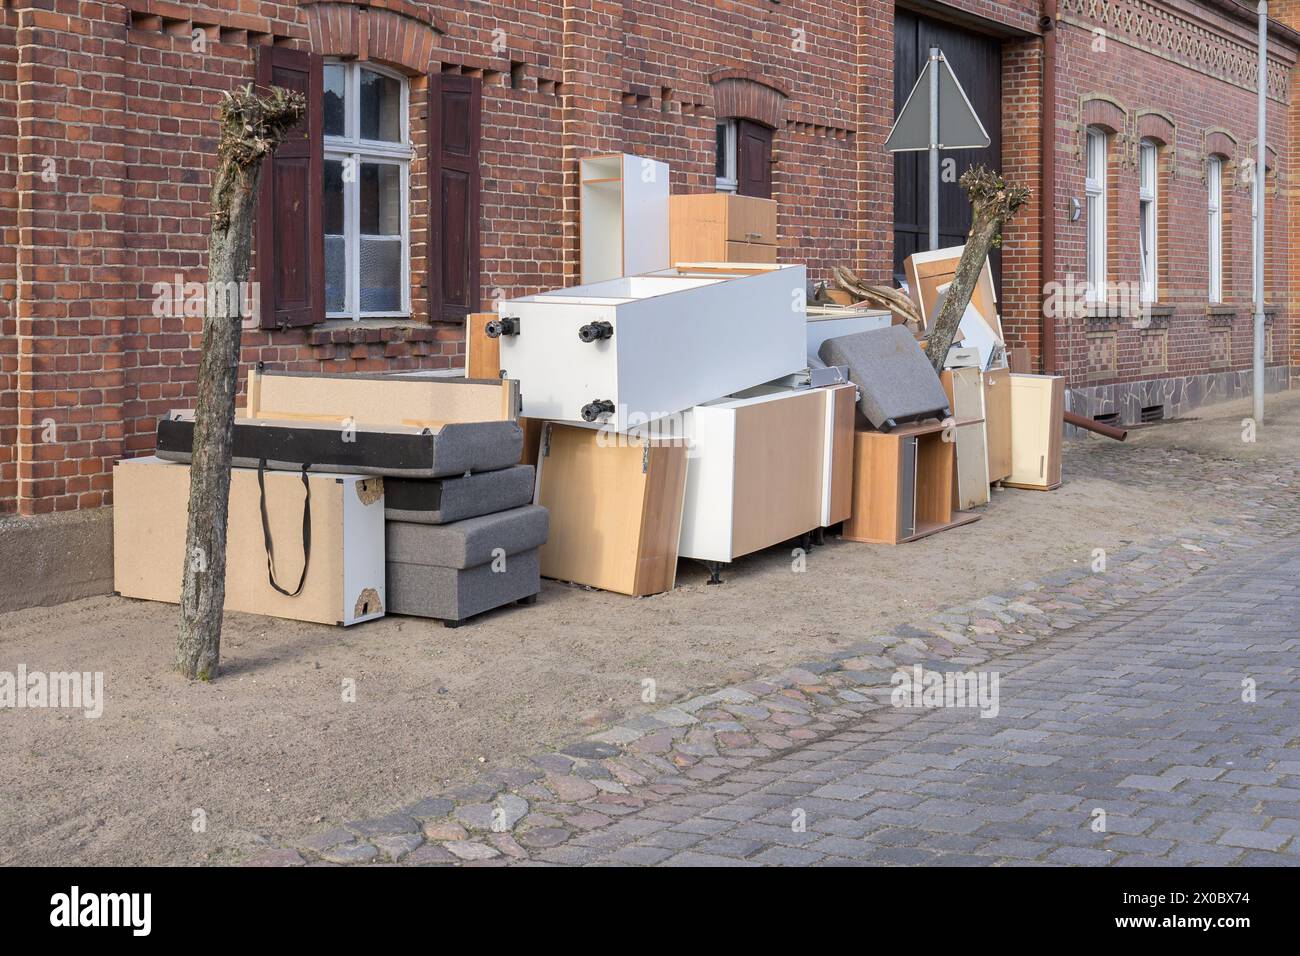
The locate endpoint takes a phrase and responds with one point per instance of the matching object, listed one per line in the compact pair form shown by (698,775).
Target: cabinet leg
(448,622)
(715,571)
(819,537)
(806,541)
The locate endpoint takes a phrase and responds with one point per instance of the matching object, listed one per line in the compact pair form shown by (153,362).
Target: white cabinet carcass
(634,350)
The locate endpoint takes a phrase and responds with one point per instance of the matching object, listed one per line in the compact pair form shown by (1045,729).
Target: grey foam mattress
(896,381)
(453,594)
(404,452)
(468,543)
(443,500)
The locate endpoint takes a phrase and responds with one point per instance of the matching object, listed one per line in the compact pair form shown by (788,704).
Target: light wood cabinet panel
(615,509)
(997,422)
(721,227)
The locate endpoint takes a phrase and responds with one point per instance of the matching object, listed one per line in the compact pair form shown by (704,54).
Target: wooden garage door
(977,61)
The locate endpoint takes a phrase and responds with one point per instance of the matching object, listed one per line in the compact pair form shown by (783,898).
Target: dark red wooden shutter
(753,159)
(290,238)
(455,125)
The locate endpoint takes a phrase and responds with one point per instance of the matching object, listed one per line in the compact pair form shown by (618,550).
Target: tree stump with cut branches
(253,124)
(993,201)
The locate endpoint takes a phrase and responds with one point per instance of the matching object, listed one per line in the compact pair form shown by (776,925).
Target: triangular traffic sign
(959,126)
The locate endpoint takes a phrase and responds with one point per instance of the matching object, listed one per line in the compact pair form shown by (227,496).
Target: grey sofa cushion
(453,594)
(891,372)
(443,500)
(366,450)
(468,543)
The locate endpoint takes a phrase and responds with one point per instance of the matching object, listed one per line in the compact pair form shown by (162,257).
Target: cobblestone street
(1138,714)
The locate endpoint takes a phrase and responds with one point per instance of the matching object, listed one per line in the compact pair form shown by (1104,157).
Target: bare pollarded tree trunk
(252,126)
(992,202)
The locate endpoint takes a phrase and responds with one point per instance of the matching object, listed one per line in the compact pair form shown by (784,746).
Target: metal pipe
(1047,186)
(934,147)
(1259,184)
(1088,425)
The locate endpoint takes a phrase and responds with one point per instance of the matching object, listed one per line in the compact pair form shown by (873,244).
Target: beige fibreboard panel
(755,474)
(345,576)
(379,399)
(615,508)
(965,388)
(1037,411)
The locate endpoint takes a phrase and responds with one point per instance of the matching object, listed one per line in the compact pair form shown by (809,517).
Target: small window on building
(367,185)
(1147,211)
(725,157)
(1095,190)
(1214,179)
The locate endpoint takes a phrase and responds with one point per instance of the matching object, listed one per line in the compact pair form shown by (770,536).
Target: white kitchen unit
(635,350)
(761,467)
(623,209)
(828,322)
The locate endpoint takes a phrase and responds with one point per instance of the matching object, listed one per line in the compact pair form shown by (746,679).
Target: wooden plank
(934,480)
(614,525)
(383,399)
(997,422)
(840,498)
(482,354)
(965,389)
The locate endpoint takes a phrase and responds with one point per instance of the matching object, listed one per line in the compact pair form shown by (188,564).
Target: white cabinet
(762,468)
(634,350)
(623,208)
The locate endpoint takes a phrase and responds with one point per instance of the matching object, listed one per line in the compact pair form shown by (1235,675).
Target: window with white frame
(367,184)
(1148,157)
(1095,190)
(1214,179)
(728,181)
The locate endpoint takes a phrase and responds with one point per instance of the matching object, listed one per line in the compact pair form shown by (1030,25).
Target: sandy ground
(271,748)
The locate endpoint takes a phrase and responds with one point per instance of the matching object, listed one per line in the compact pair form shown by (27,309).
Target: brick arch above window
(401,34)
(743,93)
(1221,143)
(1106,112)
(1156,126)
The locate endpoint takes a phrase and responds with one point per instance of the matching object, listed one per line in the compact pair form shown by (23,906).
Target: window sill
(349,332)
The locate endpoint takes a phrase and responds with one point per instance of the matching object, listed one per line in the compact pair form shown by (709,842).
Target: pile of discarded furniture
(690,398)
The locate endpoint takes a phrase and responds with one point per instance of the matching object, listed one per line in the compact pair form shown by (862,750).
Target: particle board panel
(1037,413)
(965,388)
(383,400)
(615,508)
(482,354)
(997,422)
(929,271)
(721,227)
(838,504)
(345,575)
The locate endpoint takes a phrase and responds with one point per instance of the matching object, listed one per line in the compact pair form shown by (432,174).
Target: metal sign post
(1258,184)
(941,117)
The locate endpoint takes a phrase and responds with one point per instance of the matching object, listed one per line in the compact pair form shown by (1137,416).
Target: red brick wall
(1216,97)
(115,99)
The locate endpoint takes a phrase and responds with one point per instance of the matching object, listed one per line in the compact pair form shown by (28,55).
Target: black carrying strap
(266,530)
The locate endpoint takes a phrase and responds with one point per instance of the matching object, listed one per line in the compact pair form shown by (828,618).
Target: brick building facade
(107,126)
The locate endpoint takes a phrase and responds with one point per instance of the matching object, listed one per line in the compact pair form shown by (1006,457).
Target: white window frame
(1214,184)
(351,147)
(1095,191)
(729,183)
(1148,238)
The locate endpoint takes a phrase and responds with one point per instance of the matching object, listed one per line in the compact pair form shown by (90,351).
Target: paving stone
(397,845)
(470,850)
(542,837)
(357,852)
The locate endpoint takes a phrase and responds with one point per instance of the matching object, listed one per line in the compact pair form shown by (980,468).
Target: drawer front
(748,252)
(750,219)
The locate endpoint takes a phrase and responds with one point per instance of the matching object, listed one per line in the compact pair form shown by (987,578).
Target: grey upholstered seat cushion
(891,372)
(407,452)
(443,500)
(468,543)
(453,594)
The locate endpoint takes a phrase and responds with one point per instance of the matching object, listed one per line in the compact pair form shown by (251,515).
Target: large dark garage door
(977,61)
